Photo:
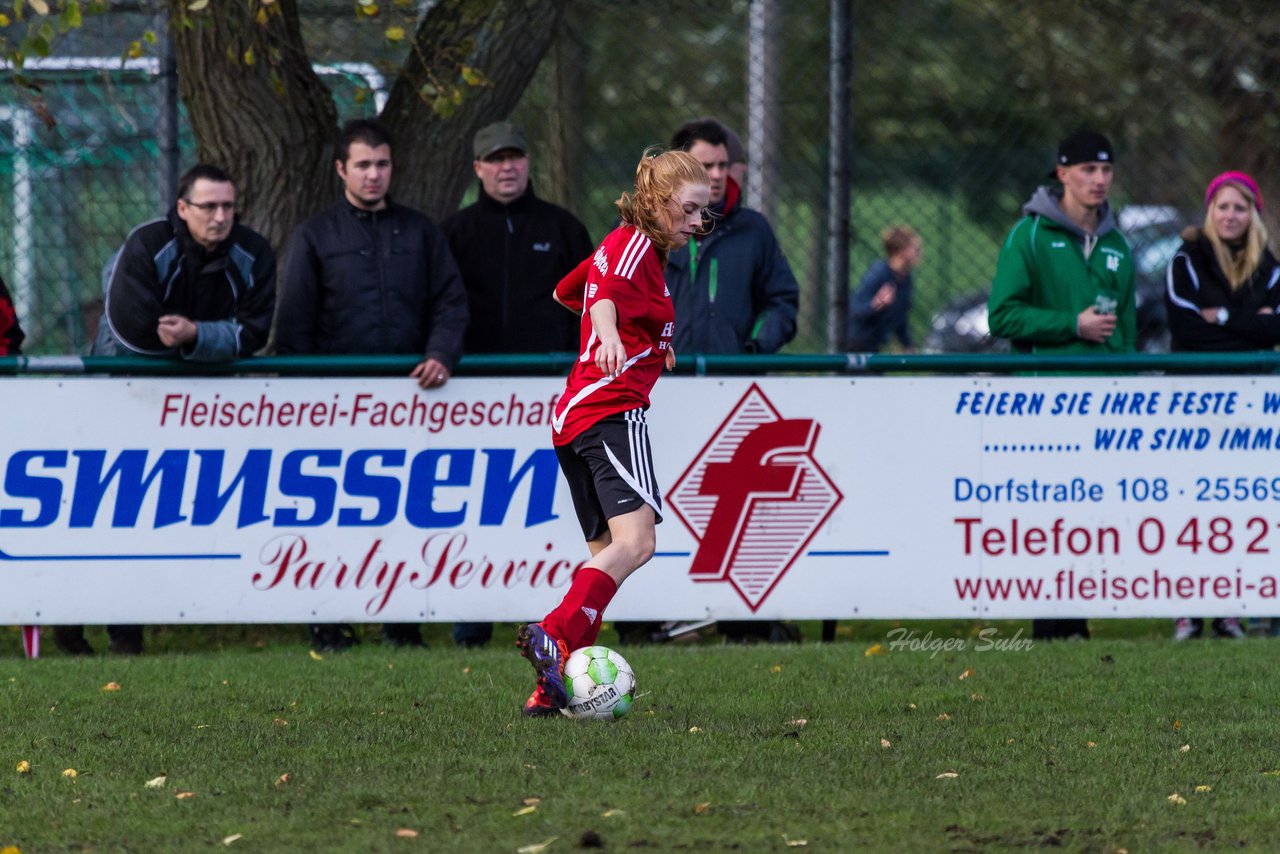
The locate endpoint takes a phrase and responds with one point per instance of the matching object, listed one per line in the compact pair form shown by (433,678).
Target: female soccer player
(599,430)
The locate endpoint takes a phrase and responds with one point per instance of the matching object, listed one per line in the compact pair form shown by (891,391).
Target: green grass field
(1078,745)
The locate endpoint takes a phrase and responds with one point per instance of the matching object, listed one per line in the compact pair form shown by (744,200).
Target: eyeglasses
(210,207)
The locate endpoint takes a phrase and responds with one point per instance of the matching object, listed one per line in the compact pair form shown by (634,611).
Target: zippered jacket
(1050,270)
(733,289)
(229,292)
(511,257)
(1195,281)
(369,282)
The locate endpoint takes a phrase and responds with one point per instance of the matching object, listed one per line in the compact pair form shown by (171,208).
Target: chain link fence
(957,108)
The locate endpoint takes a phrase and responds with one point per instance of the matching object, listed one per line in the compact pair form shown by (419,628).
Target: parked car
(1154,234)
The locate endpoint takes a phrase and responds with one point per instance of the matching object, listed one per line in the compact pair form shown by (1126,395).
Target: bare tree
(257,107)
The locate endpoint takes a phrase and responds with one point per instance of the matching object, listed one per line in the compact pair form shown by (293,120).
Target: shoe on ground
(547,655)
(1186,628)
(538,706)
(333,637)
(402,636)
(1228,627)
(70,640)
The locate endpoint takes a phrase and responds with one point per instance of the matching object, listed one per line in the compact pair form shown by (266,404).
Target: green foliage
(1078,745)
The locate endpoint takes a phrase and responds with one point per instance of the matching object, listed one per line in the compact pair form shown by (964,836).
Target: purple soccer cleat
(547,655)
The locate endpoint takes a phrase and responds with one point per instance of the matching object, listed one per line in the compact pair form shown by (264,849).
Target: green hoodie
(1050,270)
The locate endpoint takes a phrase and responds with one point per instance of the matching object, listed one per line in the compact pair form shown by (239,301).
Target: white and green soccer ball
(600,683)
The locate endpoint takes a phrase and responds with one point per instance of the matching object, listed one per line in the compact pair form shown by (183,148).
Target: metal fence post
(838,174)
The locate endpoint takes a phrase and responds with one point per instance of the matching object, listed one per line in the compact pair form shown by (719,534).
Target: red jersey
(625,269)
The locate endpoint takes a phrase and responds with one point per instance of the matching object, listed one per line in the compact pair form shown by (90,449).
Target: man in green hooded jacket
(1064,280)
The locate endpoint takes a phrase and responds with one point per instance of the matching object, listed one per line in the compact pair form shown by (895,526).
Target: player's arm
(571,289)
(610,354)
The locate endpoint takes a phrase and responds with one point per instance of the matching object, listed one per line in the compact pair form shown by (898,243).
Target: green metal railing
(550,364)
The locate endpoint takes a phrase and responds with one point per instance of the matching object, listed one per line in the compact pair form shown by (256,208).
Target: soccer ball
(601,684)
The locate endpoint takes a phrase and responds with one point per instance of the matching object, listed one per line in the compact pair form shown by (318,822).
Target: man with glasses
(194,285)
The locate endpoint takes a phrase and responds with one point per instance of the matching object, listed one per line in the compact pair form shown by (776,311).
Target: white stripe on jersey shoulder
(631,255)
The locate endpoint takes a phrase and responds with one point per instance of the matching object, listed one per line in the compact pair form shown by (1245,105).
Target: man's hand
(671,358)
(884,297)
(1095,327)
(175,330)
(430,374)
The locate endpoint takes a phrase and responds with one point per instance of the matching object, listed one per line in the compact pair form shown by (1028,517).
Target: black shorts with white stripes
(609,467)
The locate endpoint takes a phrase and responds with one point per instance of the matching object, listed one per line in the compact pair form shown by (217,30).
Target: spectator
(881,306)
(196,285)
(1223,291)
(737,155)
(733,290)
(512,248)
(10,332)
(1064,278)
(368,275)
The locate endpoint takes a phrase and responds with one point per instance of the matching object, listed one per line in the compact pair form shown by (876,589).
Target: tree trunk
(433,111)
(258,110)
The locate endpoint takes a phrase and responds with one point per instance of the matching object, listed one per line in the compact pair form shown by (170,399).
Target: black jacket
(511,257)
(733,288)
(228,292)
(363,282)
(1195,281)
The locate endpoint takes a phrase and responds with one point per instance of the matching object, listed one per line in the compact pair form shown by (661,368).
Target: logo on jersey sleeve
(601,261)
(754,497)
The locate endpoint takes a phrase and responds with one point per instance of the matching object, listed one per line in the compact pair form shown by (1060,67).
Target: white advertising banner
(306,500)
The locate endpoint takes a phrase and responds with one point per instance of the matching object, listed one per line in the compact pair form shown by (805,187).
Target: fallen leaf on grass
(884,742)
(24,767)
(525,811)
(777,668)
(911,707)
(407,833)
(1186,748)
(466,670)
(282,779)
(944,717)
(947,775)
(798,722)
(315,656)
(280,722)
(232,838)
(968,671)
(70,772)
(612,813)
(182,796)
(156,782)
(111,686)
(874,649)
(694,729)
(1177,725)
(531,802)
(1091,744)
(1200,789)
(976,698)
(537,847)
(1271,773)
(1175,798)
(699,809)
(794,843)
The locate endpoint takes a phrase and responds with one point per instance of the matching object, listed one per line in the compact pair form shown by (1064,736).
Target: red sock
(576,620)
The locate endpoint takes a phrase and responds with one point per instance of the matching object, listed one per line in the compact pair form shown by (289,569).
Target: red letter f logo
(750,474)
